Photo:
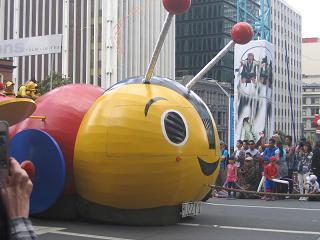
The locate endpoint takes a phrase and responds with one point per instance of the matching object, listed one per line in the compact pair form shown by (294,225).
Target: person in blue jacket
(269,151)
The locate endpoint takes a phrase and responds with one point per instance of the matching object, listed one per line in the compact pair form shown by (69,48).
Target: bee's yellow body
(128,157)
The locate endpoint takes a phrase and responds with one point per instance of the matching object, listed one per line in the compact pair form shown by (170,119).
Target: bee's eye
(174,127)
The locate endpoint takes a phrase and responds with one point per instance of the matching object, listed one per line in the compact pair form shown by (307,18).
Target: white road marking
(43,229)
(40,230)
(89,236)
(254,229)
(266,207)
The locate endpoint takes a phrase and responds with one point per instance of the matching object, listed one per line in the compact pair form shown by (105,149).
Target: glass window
(314,111)
(308,123)
(220,23)
(219,118)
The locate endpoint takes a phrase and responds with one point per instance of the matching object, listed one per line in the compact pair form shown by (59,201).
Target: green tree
(57,81)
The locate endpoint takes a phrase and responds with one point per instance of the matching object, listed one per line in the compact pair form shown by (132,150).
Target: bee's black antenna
(173,7)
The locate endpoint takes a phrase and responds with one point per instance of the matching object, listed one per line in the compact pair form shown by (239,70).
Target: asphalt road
(219,219)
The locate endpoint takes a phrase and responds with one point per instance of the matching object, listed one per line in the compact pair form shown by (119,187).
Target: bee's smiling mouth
(207,168)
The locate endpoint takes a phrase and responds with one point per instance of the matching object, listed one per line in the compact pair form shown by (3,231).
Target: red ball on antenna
(176,6)
(242,33)
(29,168)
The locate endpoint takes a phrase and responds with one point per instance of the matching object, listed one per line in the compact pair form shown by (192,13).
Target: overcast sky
(309,10)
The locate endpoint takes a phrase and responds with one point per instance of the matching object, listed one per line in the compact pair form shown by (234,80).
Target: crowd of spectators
(265,165)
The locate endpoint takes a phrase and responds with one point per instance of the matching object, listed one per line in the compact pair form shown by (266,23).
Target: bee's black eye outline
(184,134)
(152,101)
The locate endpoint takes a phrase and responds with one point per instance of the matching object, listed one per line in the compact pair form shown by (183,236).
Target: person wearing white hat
(312,186)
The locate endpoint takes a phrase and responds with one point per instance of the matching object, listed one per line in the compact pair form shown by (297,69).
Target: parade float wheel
(49,174)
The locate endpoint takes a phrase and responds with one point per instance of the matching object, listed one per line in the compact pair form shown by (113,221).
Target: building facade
(310,108)
(286,38)
(103,41)
(311,85)
(310,60)
(6,70)
(215,99)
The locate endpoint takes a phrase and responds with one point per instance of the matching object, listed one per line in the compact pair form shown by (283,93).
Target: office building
(286,38)
(216,100)
(310,60)
(6,69)
(311,85)
(310,108)
(103,41)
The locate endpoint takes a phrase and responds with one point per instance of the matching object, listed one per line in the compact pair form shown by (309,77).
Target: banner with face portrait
(253,68)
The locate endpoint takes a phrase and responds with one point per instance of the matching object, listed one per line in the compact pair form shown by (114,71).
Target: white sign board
(253,90)
(31,46)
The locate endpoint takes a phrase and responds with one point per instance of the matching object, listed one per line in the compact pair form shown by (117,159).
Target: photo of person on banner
(249,69)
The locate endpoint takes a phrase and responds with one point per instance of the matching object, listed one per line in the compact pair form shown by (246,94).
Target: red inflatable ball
(64,109)
(242,33)
(176,6)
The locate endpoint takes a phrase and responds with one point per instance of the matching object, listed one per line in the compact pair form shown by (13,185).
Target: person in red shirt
(231,176)
(270,172)
(2,86)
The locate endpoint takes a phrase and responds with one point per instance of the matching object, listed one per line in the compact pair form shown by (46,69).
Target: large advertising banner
(253,80)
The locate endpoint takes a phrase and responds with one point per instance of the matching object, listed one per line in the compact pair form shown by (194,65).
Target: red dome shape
(176,6)
(242,33)
(64,109)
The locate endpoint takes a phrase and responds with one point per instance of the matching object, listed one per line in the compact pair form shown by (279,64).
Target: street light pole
(229,112)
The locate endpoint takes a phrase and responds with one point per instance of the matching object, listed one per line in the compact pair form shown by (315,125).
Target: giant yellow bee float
(145,147)
(141,153)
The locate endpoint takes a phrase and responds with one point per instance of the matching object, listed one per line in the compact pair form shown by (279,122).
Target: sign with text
(31,46)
